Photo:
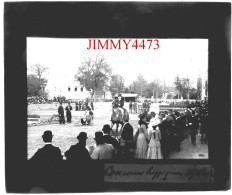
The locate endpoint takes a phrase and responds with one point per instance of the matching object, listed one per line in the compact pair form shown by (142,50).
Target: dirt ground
(65,135)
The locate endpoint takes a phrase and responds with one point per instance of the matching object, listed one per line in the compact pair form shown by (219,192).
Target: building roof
(129,95)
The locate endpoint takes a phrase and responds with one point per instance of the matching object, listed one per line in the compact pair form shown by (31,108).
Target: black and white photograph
(117,96)
(127,103)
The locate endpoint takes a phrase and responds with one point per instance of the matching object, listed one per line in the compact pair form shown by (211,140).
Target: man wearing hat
(165,130)
(68,112)
(103,150)
(48,153)
(121,101)
(179,130)
(61,114)
(109,139)
(116,102)
(78,152)
(126,141)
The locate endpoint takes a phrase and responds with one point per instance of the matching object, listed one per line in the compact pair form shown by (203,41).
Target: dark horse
(119,115)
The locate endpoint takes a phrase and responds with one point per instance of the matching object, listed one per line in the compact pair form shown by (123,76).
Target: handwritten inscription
(158,173)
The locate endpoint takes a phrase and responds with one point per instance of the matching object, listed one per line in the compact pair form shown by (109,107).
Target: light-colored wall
(62,90)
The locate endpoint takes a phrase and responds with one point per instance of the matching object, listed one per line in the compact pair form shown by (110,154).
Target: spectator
(135,107)
(141,138)
(78,152)
(194,124)
(110,140)
(61,114)
(154,146)
(165,128)
(68,113)
(48,153)
(77,107)
(154,119)
(179,131)
(130,107)
(91,104)
(126,141)
(103,150)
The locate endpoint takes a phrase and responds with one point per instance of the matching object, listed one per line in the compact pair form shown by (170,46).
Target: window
(69,89)
(75,88)
(81,89)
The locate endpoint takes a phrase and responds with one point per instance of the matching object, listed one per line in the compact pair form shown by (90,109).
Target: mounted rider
(116,102)
(121,101)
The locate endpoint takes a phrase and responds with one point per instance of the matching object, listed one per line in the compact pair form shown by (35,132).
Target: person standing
(135,107)
(61,114)
(78,152)
(130,107)
(91,104)
(110,140)
(188,114)
(194,127)
(77,106)
(80,105)
(204,127)
(126,141)
(68,113)
(154,146)
(103,150)
(144,105)
(141,138)
(178,132)
(164,127)
(48,153)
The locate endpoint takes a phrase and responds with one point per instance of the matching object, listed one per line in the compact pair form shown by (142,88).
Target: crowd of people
(83,105)
(86,119)
(156,137)
(139,107)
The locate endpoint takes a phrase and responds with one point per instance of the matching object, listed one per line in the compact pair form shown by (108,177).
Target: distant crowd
(86,106)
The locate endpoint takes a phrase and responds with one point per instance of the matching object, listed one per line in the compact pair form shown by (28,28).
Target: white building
(69,88)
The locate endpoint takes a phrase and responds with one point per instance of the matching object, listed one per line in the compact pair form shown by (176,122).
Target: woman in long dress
(154,146)
(141,139)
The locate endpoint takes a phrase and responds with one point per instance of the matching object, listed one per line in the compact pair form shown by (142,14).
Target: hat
(106,129)
(98,135)
(47,133)
(82,135)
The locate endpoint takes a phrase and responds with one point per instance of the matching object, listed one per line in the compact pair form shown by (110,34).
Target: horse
(119,115)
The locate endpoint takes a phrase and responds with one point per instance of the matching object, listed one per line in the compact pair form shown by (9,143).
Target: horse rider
(121,101)
(121,104)
(116,102)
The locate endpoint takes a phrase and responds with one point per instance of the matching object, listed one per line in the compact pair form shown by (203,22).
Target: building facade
(71,90)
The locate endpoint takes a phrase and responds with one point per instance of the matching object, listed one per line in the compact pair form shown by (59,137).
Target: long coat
(61,111)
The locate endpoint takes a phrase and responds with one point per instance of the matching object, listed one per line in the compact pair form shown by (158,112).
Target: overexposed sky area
(185,57)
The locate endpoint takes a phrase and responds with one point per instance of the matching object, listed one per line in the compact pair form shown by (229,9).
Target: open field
(65,135)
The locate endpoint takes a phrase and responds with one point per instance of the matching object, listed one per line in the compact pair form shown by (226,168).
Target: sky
(183,57)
